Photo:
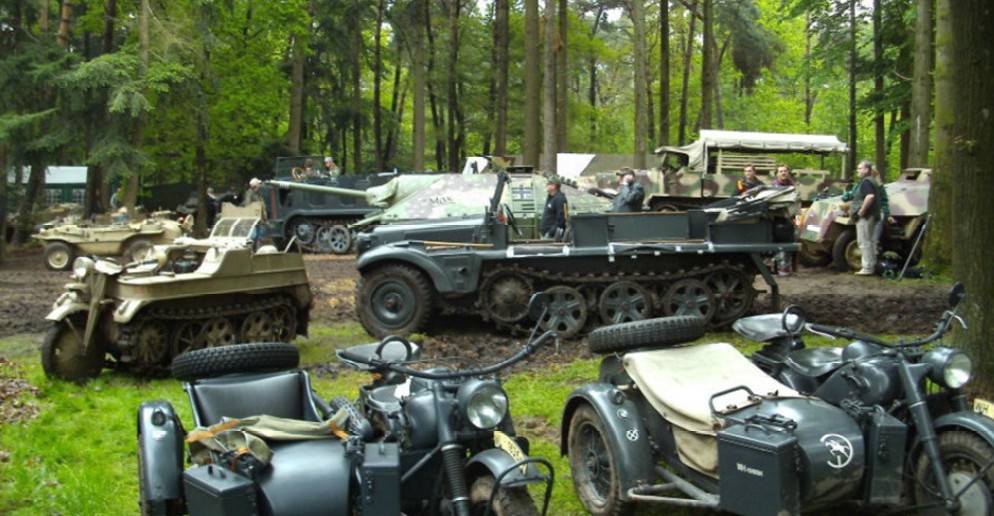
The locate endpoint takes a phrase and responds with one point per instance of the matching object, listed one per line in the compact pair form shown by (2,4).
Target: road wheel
(241,358)
(655,333)
(152,343)
(594,465)
(63,355)
(303,229)
(846,255)
(188,336)
(624,301)
(510,501)
(567,311)
(334,239)
(219,332)
(394,300)
(811,257)
(284,321)
(58,256)
(257,327)
(690,297)
(504,296)
(139,250)
(964,454)
(733,291)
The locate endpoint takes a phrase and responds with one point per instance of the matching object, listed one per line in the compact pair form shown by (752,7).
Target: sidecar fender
(627,436)
(160,442)
(497,461)
(979,424)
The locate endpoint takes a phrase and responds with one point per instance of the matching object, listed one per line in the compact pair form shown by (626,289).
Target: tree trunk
(637,12)
(878,87)
(356,59)
(533,86)
(664,73)
(43,16)
(65,21)
(708,78)
(502,16)
(418,135)
(396,112)
(687,52)
(33,194)
(452,82)
(921,87)
(3,200)
(562,76)
(592,71)
(548,157)
(970,107)
(938,241)
(853,154)
(809,95)
(296,121)
(436,117)
(377,88)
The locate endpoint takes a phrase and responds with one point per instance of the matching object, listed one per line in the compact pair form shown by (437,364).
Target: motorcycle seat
(814,362)
(761,328)
(285,394)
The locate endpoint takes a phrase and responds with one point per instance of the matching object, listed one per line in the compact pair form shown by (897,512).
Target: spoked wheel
(394,300)
(152,343)
(58,256)
(139,250)
(733,291)
(257,326)
(334,239)
(567,311)
(504,297)
(964,455)
(510,501)
(304,230)
(189,335)
(594,465)
(625,301)
(63,355)
(219,332)
(689,297)
(284,323)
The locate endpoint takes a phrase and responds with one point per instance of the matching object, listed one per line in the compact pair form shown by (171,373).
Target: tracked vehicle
(191,294)
(612,267)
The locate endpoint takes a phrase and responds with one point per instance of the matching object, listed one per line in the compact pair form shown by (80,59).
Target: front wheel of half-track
(63,355)
(394,300)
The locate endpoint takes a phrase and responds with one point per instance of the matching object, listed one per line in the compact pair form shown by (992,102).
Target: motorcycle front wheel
(964,454)
(510,501)
(594,465)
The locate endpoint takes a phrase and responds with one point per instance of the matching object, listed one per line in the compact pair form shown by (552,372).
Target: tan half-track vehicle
(190,294)
(132,240)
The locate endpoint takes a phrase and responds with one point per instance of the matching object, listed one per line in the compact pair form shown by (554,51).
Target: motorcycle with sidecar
(422,437)
(704,426)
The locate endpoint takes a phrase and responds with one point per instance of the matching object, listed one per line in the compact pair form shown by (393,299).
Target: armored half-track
(133,240)
(612,267)
(828,233)
(191,294)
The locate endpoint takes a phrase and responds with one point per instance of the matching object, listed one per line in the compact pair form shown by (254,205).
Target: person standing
(865,209)
(252,194)
(115,199)
(630,194)
(749,179)
(330,168)
(553,223)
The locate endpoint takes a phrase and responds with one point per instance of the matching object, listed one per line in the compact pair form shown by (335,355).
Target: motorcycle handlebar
(941,327)
(390,366)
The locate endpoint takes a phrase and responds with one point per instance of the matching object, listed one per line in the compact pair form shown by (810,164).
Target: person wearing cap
(630,193)
(553,223)
(252,194)
(330,168)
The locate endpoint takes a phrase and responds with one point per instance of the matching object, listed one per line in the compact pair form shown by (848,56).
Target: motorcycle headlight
(950,368)
(483,403)
(81,267)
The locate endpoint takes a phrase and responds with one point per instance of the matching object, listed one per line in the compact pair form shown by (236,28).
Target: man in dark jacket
(630,194)
(553,223)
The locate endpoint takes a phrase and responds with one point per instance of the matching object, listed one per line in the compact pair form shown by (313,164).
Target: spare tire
(648,333)
(239,358)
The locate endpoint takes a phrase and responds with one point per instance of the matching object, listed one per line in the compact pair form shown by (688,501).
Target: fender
(979,424)
(626,433)
(410,256)
(160,442)
(497,461)
(64,310)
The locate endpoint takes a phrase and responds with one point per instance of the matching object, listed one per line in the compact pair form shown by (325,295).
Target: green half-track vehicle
(191,294)
(610,268)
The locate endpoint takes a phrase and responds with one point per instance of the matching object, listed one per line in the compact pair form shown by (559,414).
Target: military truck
(697,174)
(612,267)
(828,233)
(191,294)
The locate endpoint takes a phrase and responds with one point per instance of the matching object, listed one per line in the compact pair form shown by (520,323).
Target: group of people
(553,224)
(783,261)
(307,171)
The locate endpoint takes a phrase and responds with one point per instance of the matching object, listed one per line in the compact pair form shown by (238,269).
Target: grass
(78,456)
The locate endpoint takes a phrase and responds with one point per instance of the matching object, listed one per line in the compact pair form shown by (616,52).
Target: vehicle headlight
(81,267)
(483,403)
(950,368)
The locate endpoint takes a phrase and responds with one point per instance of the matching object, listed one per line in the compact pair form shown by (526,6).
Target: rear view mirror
(537,305)
(956,294)
(793,320)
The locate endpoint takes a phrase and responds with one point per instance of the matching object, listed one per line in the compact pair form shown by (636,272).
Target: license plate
(984,407)
(509,445)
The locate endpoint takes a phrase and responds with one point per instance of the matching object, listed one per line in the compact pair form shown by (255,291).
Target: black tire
(394,300)
(963,455)
(594,466)
(138,250)
(843,250)
(240,358)
(650,333)
(510,501)
(813,258)
(63,356)
(58,256)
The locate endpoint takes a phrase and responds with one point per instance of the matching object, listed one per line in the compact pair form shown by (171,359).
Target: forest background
(148,92)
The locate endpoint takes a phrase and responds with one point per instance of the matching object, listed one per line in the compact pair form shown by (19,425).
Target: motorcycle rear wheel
(963,455)
(510,501)
(594,466)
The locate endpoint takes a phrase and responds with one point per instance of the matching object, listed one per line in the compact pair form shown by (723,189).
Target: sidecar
(304,474)
(701,426)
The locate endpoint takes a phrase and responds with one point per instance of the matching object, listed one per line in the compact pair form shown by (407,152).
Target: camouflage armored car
(189,295)
(612,267)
